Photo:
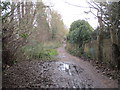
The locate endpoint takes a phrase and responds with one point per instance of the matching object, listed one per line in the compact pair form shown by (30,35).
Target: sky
(71,13)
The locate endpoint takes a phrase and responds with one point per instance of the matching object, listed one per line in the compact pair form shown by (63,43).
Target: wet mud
(53,74)
(66,72)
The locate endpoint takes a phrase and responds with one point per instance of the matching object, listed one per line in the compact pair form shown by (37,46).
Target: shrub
(39,51)
(80,32)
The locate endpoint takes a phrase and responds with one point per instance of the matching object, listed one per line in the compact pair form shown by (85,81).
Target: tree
(80,32)
(113,20)
(109,24)
(17,27)
(109,18)
(42,26)
(24,22)
(57,26)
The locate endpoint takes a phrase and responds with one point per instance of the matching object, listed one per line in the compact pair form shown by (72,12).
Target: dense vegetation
(80,32)
(26,29)
(32,30)
(103,42)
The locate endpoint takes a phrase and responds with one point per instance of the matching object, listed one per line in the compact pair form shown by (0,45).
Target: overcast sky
(71,13)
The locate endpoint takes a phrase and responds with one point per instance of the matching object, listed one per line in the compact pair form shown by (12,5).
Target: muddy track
(67,72)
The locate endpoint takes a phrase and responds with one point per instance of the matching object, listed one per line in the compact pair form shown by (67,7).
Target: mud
(67,72)
(45,75)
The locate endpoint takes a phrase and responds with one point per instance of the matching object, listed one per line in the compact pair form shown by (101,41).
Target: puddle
(64,67)
(59,56)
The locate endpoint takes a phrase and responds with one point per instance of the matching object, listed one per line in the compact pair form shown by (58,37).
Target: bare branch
(77,5)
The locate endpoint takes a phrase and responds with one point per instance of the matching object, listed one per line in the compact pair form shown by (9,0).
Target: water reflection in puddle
(59,56)
(64,67)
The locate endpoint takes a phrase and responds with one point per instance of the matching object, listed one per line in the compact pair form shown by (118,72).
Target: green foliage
(80,24)
(87,56)
(51,52)
(24,35)
(45,54)
(39,52)
(57,26)
(80,32)
(77,51)
(105,34)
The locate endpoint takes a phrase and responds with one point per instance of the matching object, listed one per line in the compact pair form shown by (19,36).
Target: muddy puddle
(66,72)
(61,56)
(64,67)
(72,76)
(55,74)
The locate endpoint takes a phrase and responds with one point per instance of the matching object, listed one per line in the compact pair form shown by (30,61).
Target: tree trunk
(18,12)
(23,11)
(26,11)
(100,47)
(115,47)
(100,39)
(115,56)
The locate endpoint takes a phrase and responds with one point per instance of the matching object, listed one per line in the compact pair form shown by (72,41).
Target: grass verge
(41,51)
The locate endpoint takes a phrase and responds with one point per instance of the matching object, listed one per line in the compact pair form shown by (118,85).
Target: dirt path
(68,71)
(99,80)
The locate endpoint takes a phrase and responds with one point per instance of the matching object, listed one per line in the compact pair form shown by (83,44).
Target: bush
(80,32)
(39,51)
(75,50)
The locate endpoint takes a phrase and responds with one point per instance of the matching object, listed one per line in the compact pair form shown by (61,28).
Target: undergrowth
(103,66)
(41,51)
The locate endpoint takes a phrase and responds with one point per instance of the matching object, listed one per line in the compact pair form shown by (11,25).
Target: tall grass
(41,51)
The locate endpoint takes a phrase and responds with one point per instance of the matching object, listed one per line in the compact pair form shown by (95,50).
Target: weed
(40,51)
